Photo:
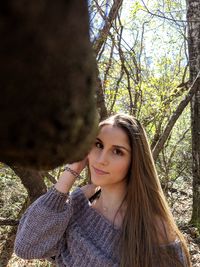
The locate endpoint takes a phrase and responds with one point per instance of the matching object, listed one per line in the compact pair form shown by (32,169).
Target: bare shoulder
(166,233)
(89,190)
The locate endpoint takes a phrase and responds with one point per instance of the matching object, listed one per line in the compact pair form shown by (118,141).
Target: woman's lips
(100,172)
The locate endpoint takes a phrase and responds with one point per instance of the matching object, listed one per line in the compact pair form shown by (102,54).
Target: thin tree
(193,17)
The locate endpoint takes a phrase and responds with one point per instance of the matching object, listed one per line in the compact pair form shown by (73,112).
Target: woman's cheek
(92,155)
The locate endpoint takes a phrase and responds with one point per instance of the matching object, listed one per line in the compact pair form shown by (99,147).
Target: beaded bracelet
(76,174)
(61,194)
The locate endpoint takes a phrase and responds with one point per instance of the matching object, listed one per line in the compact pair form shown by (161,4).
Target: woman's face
(110,157)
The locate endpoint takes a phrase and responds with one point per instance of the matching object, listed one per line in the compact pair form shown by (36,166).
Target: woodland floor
(180,200)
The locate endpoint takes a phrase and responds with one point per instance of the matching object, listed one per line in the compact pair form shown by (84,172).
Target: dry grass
(17,262)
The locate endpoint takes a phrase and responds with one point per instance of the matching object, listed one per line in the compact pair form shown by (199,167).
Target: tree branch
(10,222)
(32,181)
(158,147)
(49,176)
(108,23)
(164,17)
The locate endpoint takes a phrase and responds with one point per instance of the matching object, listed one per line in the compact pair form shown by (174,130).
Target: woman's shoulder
(82,194)
(89,190)
(169,239)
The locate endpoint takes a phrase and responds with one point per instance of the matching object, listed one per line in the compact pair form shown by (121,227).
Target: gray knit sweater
(70,231)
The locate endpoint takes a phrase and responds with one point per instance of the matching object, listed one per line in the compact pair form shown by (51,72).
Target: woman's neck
(112,204)
(112,198)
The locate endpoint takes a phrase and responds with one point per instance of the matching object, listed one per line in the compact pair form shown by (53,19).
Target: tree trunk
(48,111)
(193,17)
(32,181)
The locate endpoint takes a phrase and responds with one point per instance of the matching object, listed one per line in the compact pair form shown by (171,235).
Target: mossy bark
(48,108)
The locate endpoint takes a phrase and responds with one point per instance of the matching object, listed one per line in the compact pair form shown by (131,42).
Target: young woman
(121,219)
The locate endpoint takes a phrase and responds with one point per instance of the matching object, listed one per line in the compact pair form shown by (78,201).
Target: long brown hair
(145,202)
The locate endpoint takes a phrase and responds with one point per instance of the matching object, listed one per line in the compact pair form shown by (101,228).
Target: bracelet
(61,194)
(76,174)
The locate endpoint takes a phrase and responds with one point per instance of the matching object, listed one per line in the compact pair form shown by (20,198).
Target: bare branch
(176,145)
(9,222)
(107,69)
(116,90)
(122,58)
(49,176)
(108,24)
(164,17)
(158,147)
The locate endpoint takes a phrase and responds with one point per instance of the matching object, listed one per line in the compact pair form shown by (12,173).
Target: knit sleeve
(42,227)
(178,251)
(175,253)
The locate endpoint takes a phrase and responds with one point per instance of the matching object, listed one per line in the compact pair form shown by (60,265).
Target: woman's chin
(96,181)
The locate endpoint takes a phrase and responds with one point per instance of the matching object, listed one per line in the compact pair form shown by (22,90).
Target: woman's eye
(118,152)
(98,145)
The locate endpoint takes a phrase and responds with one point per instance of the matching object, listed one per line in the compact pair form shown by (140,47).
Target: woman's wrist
(67,179)
(76,174)
(71,173)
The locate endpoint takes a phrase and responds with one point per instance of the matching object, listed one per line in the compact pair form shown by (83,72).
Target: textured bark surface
(193,16)
(47,104)
(32,181)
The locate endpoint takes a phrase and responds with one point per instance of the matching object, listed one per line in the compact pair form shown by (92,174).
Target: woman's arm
(43,225)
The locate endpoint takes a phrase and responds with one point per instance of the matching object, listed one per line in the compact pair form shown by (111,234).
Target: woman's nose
(102,158)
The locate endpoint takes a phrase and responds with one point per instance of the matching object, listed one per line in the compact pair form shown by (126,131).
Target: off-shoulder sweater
(69,230)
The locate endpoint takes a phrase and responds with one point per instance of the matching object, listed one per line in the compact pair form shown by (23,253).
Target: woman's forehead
(113,134)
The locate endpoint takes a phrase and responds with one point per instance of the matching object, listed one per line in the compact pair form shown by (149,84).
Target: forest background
(144,63)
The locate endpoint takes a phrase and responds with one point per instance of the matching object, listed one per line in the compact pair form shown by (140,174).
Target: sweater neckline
(98,214)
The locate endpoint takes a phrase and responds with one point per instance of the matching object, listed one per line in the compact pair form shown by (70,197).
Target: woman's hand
(68,177)
(78,166)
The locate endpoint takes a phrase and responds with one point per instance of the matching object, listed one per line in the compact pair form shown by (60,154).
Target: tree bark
(32,181)
(48,111)
(101,105)
(193,17)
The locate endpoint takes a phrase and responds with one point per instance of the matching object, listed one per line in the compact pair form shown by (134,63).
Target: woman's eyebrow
(116,146)
(122,147)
